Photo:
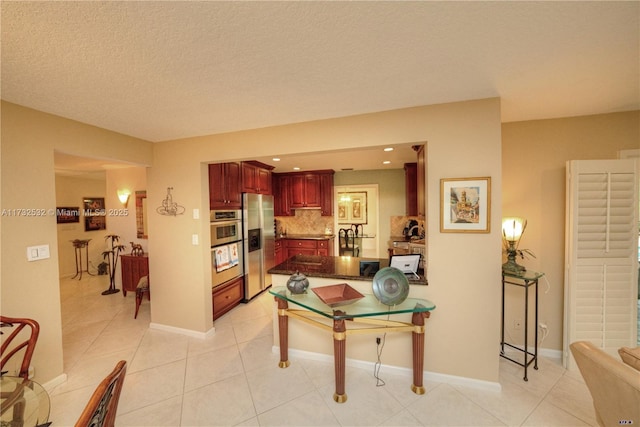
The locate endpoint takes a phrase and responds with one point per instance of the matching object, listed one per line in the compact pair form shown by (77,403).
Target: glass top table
(367,310)
(368,306)
(22,402)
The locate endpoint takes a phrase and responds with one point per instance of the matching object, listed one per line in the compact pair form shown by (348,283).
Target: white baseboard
(181,331)
(549,353)
(50,385)
(397,370)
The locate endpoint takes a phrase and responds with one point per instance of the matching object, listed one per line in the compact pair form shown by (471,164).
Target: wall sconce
(123,196)
(512,231)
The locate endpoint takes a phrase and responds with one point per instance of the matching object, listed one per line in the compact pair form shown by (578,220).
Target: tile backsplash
(305,221)
(398,223)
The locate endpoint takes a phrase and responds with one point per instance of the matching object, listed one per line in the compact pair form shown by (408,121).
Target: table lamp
(512,230)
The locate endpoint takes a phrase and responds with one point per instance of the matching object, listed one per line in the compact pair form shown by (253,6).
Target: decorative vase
(298,283)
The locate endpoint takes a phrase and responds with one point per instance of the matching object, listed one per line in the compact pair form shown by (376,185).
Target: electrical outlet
(517,324)
(32,372)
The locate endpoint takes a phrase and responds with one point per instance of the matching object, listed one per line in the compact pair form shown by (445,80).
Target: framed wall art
(66,214)
(95,215)
(352,208)
(465,205)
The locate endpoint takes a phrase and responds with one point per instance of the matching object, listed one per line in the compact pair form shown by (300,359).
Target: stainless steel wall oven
(227,258)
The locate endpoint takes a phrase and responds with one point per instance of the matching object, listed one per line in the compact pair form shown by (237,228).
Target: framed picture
(94,214)
(66,214)
(352,208)
(465,205)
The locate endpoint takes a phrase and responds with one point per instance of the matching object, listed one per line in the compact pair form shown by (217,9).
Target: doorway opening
(356,206)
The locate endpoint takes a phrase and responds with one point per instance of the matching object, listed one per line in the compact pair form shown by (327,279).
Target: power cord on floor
(380,346)
(376,369)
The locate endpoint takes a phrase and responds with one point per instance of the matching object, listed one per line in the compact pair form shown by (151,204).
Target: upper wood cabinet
(225,186)
(411,188)
(326,194)
(280,187)
(421,176)
(305,191)
(299,190)
(256,178)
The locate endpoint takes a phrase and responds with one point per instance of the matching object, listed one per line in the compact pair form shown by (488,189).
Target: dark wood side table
(360,311)
(525,280)
(133,268)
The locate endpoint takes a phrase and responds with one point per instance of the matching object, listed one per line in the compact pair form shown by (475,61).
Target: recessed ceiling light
(276,159)
(386,162)
(388,149)
(296,168)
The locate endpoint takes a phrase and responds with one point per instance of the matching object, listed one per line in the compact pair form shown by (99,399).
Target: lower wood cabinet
(309,247)
(227,296)
(133,267)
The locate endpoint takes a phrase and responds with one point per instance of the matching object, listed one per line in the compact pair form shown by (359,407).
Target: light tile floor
(233,377)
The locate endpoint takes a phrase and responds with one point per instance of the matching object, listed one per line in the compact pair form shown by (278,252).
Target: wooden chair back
(101,408)
(347,240)
(16,342)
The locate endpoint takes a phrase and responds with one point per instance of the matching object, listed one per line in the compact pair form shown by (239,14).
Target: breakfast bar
(337,267)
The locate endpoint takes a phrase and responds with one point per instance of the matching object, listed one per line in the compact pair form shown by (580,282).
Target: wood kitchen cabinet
(420,176)
(256,177)
(225,186)
(280,186)
(227,296)
(326,194)
(133,267)
(309,247)
(280,251)
(300,190)
(411,188)
(305,191)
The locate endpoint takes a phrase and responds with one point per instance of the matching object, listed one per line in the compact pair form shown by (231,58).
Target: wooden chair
(12,344)
(348,247)
(101,408)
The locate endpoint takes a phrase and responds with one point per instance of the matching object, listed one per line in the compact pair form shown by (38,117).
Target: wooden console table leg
(339,358)
(283,332)
(418,350)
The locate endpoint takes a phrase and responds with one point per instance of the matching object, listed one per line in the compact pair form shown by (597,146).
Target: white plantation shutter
(601,254)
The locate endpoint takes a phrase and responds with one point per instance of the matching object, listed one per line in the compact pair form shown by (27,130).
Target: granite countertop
(332,267)
(307,236)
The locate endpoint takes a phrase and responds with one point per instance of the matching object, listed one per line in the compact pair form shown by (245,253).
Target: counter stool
(141,289)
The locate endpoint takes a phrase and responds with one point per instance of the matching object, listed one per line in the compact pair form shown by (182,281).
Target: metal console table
(361,311)
(525,280)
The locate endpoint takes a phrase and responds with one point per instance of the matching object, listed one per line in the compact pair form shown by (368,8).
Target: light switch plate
(35,253)
(194,239)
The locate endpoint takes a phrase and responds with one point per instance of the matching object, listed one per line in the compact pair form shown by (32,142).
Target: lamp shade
(512,228)
(123,196)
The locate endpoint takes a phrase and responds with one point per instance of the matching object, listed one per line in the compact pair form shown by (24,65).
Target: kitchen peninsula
(330,267)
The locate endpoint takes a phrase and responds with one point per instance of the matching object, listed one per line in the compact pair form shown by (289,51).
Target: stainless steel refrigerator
(258,242)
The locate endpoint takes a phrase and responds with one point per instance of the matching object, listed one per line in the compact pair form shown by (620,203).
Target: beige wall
(533,171)
(31,289)
(464,271)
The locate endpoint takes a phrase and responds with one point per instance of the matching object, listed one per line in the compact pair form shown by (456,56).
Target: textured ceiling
(168,70)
